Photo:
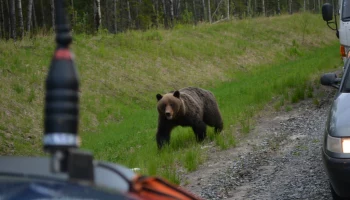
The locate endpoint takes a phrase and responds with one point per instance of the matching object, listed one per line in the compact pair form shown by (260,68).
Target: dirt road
(279,159)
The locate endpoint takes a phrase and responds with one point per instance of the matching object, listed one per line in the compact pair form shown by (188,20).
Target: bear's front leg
(200,130)
(163,133)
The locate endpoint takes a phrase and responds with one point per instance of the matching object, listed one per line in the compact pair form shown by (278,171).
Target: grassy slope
(244,63)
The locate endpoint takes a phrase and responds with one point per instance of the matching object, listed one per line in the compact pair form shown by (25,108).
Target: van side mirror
(330,79)
(327,12)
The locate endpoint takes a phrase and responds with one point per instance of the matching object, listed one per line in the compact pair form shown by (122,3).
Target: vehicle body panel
(344,24)
(337,165)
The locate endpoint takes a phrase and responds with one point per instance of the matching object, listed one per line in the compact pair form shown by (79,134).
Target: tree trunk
(166,25)
(129,14)
(20,18)
(29,17)
(209,12)
(178,9)
(248,7)
(94,13)
(121,27)
(314,8)
(204,10)
(138,14)
(43,13)
(171,2)
(263,8)
(137,19)
(278,7)
(53,14)
(115,16)
(155,14)
(290,6)
(106,15)
(255,7)
(9,30)
(13,19)
(228,9)
(35,22)
(2,21)
(194,12)
(97,14)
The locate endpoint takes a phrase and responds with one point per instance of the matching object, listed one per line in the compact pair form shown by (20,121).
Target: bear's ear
(159,97)
(177,94)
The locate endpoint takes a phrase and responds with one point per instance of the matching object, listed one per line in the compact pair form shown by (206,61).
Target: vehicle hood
(339,117)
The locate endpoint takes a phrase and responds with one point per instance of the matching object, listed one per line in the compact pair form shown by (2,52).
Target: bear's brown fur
(191,106)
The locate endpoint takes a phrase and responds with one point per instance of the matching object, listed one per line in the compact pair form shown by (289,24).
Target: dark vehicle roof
(29,188)
(31,178)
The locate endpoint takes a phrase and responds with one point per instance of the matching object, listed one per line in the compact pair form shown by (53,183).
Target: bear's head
(169,105)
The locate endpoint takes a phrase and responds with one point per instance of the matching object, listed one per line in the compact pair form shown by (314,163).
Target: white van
(343,32)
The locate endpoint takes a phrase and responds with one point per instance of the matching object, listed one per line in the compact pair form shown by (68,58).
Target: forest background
(30,17)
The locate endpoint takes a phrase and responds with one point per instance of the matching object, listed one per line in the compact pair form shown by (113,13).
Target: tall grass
(244,63)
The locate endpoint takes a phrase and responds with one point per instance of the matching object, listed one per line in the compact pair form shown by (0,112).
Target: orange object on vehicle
(148,187)
(342,51)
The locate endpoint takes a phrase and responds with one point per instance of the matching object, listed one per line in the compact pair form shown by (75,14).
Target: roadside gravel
(279,159)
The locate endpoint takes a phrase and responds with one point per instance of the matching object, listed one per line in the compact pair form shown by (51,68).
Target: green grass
(244,63)
(133,144)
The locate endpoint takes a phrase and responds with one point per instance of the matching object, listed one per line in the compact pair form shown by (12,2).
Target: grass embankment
(244,63)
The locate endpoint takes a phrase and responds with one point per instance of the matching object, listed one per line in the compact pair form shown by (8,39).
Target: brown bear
(190,106)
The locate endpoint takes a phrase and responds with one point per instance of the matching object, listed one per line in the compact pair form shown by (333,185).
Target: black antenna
(63,36)
(62,107)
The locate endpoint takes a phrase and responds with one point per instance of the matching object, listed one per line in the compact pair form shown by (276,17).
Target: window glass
(346,10)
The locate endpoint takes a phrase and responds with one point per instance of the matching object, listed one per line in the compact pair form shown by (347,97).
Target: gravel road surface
(279,159)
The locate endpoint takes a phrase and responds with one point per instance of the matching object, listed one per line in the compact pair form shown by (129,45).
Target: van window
(345,15)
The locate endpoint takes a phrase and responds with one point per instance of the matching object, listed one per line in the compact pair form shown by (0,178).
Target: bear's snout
(168,115)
